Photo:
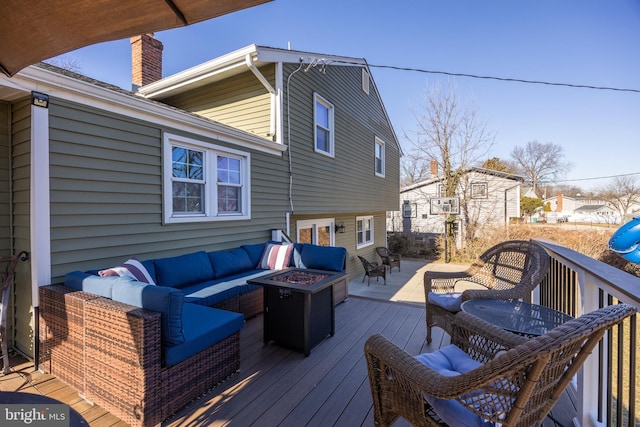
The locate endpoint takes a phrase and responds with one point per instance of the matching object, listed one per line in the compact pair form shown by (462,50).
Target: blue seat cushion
(450,361)
(230,262)
(450,301)
(168,301)
(183,270)
(203,327)
(201,294)
(323,257)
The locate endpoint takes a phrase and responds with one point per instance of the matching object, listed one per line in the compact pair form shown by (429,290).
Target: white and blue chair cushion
(450,361)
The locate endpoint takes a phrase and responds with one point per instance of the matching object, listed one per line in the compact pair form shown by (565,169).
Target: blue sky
(586,42)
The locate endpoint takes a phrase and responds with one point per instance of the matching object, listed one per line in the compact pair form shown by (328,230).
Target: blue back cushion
(183,270)
(323,257)
(227,263)
(166,300)
(254,252)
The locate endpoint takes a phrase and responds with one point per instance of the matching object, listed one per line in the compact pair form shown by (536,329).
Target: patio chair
(373,269)
(508,270)
(487,376)
(6,278)
(389,259)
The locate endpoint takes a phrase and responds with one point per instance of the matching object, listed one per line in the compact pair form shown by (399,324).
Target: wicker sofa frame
(110,353)
(517,384)
(508,270)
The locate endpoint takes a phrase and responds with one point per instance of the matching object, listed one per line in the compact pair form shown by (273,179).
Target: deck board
(281,387)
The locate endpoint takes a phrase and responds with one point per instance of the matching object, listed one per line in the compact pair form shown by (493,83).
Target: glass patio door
(317,231)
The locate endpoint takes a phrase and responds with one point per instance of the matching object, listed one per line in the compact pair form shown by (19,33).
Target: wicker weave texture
(123,361)
(518,384)
(110,353)
(62,333)
(508,270)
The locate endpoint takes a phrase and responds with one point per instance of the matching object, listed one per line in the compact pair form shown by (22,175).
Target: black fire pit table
(298,306)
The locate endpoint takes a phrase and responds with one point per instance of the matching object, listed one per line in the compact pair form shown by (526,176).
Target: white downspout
(270,89)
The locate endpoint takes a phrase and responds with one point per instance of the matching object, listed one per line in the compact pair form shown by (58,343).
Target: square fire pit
(298,306)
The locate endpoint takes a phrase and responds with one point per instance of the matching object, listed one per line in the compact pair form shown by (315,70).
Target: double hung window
(379,157)
(323,130)
(204,182)
(364,231)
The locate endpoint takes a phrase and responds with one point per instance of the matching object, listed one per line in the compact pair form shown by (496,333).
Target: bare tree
(66,62)
(622,193)
(540,162)
(413,169)
(452,135)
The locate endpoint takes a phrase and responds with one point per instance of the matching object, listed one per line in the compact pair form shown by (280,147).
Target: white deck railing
(606,388)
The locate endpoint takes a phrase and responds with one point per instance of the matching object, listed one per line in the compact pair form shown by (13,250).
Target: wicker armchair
(517,387)
(373,269)
(508,270)
(389,259)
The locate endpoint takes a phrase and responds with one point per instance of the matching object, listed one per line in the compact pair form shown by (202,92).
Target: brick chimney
(146,60)
(559,205)
(434,168)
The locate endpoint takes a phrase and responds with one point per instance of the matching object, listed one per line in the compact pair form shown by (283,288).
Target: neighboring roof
(591,208)
(34,30)
(492,172)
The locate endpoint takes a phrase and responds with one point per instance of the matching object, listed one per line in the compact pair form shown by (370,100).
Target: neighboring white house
(583,209)
(487,197)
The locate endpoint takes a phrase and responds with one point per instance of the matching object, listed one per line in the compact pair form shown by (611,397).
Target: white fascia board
(65,87)
(193,75)
(270,54)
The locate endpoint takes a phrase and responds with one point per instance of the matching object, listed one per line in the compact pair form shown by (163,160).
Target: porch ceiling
(31,31)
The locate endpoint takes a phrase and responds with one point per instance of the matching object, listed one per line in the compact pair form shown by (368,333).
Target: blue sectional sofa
(164,344)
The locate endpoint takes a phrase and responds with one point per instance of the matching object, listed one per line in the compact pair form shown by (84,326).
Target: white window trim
(315,224)
(210,153)
(381,143)
(319,99)
(365,219)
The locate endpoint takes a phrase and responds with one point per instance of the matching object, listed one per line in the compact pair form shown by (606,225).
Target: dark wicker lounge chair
(373,269)
(515,388)
(389,259)
(508,270)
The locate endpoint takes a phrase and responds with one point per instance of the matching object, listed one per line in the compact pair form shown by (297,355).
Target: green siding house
(92,174)
(342,155)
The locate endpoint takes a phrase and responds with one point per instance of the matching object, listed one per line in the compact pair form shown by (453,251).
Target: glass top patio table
(516,316)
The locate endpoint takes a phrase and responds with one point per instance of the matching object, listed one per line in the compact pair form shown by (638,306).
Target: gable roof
(236,62)
(491,172)
(250,58)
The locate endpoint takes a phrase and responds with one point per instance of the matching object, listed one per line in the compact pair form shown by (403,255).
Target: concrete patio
(405,285)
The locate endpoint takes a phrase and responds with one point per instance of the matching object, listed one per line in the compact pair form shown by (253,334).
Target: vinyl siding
(106,194)
(347,239)
(240,101)
(5,196)
(21,233)
(346,182)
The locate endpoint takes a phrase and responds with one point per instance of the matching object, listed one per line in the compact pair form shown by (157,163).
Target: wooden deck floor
(279,387)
